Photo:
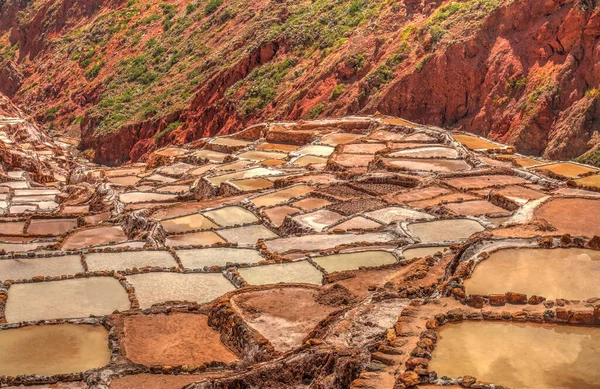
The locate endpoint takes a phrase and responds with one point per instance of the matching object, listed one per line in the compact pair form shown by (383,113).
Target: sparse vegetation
(212,6)
(316,111)
(337,91)
(170,128)
(594,93)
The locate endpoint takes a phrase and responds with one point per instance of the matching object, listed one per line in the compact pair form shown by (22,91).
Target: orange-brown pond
(520,356)
(552,273)
(53,349)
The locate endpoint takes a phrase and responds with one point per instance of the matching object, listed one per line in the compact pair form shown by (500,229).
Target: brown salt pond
(262,155)
(476,208)
(427,152)
(155,288)
(309,160)
(519,355)
(476,143)
(285,325)
(277,214)
(252,184)
(445,230)
(27,268)
(142,197)
(206,238)
(552,273)
(431,165)
(188,223)
(129,260)
(567,169)
(125,180)
(94,237)
(318,220)
(178,339)
(591,181)
(421,252)
(281,196)
(65,299)
(478,182)
(155,381)
(248,235)
(573,216)
(293,272)
(217,256)
(321,242)
(51,226)
(340,138)
(53,349)
(353,261)
(231,216)
(311,203)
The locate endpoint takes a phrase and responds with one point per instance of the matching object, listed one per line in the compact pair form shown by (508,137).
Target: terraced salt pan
(281,196)
(252,184)
(262,155)
(431,165)
(518,355)
(311,203)
(12,228)
(65,299)
(218,256)
(445,230)
(51,226)
(206,238)
(294,272)
(476,208)
(318,220)
(248,235)
(277,147)
(397,214)
(427,152)
(285,325)
(567,169)
(317,150)
(552,273)
(353,261)
(231,216)
(129,260)
(478,182)
(573,216)
(251,173)
(356,223)
(321,242)
(476,143)
(27,268)
(308,160)
(421,252)
(188,223)
(125,180)
(591,181)
(53,349)
(340,138)
(94,237)
(23,247)
(154,288)
(143,197)
(212,156)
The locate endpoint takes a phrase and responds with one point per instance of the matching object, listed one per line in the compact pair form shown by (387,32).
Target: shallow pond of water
(552,273)
(352,261)
(53,349)
(65,299)
(296,272)
(520,356)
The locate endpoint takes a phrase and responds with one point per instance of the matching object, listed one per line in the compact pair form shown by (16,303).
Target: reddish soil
(572,216)
(156,381)
(178,339)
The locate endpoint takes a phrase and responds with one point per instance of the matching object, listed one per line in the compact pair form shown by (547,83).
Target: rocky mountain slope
(130,76)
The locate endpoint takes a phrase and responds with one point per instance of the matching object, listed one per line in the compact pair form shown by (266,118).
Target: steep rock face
(130,78)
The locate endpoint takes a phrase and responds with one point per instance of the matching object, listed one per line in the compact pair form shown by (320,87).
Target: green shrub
(51,113)
(379,77)
(212,6)
(94,70)
(316,111)
(170,128)
(337,91)
(191,7)
(593,93)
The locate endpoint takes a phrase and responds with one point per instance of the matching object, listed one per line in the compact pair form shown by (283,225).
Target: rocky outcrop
(523,73)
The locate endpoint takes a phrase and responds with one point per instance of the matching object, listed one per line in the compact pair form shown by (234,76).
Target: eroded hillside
(129,76)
